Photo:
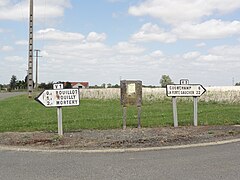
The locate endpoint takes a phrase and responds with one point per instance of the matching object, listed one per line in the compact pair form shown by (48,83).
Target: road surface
(208,163)
(10,94)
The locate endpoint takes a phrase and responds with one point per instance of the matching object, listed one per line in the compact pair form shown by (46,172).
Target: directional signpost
(59,98)
(184,90)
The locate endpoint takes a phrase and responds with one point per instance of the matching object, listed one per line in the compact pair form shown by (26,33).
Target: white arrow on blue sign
(59,97)
(185,90)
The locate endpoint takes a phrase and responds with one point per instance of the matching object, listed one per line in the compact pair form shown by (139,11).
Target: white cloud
(6,48)
(181,11)
(15,59)
(52,34)
(57,35)
(128,48)
(191,55)
(229,52)
(151,32)
(157,53)
(21,42)
(4,2)
(19,10)
(95,37)
(202,44)
(211,57)
(212,29)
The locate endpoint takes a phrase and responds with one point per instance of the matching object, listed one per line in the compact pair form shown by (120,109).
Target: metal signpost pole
(60,127)
(139,116)
(59,97)
(195,120)
(175,118)
(184,90)
(124,117)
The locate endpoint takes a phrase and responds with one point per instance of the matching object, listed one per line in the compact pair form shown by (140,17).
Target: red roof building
(79,85)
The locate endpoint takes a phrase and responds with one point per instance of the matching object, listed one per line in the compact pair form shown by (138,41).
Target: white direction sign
(59,97)
(185,90)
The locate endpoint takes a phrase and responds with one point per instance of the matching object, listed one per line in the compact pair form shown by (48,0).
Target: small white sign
(59,97)
(184,81)
(131,88)
(58,86)
(185,90)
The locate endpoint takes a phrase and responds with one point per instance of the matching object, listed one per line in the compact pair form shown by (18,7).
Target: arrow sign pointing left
(185,90)
(59,97)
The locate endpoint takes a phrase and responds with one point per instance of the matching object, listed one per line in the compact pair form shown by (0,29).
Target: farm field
(19,114)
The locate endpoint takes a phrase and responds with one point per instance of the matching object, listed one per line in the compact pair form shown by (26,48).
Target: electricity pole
(30,55)
(37,56)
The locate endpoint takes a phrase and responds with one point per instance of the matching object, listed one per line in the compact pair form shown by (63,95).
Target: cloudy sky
(101,41)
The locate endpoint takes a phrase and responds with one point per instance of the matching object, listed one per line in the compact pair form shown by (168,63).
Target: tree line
(16,84)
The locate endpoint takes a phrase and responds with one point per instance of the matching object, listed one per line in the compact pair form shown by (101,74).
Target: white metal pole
(195,107)
(124,118)
(139,116)
(175,118)
(60,128)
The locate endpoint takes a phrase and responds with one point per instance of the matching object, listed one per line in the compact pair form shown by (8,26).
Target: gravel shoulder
(117,138)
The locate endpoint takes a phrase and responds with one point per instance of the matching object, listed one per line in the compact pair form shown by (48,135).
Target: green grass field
(23,114)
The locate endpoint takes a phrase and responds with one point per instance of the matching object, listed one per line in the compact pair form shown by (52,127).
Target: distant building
(79,85)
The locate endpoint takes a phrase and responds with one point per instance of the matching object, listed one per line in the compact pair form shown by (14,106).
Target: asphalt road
(10,94)
(212,162)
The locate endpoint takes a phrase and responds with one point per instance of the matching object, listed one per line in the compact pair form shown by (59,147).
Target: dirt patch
(117,138)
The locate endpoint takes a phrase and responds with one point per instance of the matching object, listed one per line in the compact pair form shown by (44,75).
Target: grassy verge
(23,114)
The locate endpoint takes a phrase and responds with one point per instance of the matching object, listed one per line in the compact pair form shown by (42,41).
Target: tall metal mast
(30,55)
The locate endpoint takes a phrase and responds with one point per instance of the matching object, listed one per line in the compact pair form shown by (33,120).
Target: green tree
(21,84)
(116,86)
(46,86)
(237,84)
(165,80)
(13,82)
(68,85)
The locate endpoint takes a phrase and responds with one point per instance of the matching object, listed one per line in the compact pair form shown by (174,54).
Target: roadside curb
(119,150)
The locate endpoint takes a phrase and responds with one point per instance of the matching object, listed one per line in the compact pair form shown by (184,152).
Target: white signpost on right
(184,90)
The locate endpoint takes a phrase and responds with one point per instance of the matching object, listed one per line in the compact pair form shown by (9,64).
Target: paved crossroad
(213,163)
